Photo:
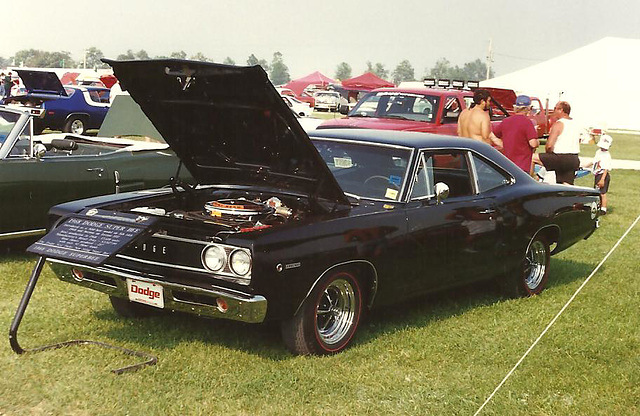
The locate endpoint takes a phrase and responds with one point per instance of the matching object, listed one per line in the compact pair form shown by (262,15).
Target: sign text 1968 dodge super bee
(308,231)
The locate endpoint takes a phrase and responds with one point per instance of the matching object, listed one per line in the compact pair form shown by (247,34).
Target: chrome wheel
(336,312)
(535,267)
(328,318)
(77,127)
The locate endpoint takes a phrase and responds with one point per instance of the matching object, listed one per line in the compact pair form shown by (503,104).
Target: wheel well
(551,233)
(363,270)
(81,116)
(368,278)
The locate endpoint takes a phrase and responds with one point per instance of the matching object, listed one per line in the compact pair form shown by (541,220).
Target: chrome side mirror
(442,192)
(39,150)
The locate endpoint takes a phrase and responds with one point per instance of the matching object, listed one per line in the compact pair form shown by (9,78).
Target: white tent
(600,82)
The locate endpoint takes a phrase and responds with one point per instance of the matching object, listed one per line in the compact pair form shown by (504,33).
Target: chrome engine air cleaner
(237,209)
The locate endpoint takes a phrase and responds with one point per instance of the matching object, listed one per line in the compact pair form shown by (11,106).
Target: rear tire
(128,309)
(531,277)
(328,318)
(75,125)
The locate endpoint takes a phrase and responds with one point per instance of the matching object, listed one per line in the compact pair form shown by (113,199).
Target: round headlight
(240,262)
(214,258)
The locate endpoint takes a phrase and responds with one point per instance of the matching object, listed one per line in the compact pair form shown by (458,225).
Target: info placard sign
(92,236)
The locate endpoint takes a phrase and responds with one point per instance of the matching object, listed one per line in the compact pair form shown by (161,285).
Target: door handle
(487,211)
(99,170)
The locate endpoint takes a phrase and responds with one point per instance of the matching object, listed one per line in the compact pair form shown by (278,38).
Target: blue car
(71,108)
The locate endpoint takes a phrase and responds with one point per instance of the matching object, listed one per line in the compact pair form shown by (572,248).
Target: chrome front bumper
(177,297)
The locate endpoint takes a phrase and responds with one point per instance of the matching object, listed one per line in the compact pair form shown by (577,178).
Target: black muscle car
(311,231)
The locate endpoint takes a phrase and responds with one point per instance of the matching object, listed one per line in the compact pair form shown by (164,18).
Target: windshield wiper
(396,116)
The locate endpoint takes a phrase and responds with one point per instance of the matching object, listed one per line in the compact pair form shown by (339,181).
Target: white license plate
(144,292)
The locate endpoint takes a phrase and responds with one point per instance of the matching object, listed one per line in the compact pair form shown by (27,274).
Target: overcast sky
(319,35)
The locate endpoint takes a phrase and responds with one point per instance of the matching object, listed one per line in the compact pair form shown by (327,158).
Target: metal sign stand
(22,307)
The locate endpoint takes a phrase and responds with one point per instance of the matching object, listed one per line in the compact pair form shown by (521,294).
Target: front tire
(328,318)
(531,278)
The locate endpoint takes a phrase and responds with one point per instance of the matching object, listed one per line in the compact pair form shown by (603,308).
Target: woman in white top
(563,146)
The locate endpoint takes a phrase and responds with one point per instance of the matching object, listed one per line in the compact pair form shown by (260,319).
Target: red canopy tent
(108,80)
(365,82)
(316,78)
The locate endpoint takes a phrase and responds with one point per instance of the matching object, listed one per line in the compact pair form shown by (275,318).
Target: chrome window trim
(470,154)
(23,119)
(473,172)
(421,160)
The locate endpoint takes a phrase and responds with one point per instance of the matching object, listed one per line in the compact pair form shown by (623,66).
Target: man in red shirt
(519,136)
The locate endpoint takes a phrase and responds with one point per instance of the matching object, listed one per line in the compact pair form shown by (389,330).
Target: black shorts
(605,188)
(565,165)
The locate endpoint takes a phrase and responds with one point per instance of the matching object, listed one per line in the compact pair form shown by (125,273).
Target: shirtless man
(474,122)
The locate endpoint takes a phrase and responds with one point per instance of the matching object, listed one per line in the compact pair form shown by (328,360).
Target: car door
(453,240)
(33,185)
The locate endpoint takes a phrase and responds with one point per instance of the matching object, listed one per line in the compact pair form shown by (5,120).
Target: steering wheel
(380,182)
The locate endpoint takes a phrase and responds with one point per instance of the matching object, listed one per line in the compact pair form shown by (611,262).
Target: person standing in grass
(563,146)
(7,84)
(602,170)
(518,135)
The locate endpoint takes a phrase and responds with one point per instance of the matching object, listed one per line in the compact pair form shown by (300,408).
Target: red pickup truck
(421,109)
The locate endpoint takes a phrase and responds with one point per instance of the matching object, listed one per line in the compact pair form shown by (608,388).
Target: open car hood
(228,125)
(41,82)
(506,97)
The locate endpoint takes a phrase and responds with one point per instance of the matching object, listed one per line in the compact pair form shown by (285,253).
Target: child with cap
(602,170)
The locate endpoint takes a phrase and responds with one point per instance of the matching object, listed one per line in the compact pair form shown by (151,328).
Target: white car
(298,107)
(327,100)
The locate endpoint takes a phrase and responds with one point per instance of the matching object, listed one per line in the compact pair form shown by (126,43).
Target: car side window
(451,168)
(451,111)
(468,101)
(488,177)
(423,181)
(22,146)
(536,108)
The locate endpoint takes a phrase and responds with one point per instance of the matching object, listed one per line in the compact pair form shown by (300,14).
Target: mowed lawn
(440,355)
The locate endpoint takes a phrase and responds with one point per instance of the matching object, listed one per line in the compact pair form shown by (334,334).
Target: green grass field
(440,355)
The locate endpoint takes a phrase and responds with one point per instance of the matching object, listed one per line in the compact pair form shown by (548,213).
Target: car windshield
(8,121)
(370,171)
(397,105)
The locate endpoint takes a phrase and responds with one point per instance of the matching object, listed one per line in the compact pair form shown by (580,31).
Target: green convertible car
(39,171)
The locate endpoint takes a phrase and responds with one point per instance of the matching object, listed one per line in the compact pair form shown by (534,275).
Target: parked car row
(313,230)
(72,108)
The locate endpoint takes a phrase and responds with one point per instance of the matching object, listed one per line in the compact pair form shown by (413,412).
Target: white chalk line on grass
(556,317)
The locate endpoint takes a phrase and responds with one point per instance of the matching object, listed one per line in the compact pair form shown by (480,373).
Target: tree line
(276,69)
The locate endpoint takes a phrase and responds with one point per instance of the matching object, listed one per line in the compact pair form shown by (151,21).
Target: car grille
(176,254)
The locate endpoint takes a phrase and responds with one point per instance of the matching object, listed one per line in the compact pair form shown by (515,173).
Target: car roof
(419,140)
(425,90)
(416,140)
